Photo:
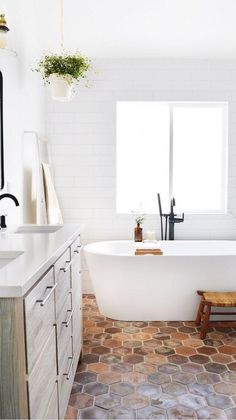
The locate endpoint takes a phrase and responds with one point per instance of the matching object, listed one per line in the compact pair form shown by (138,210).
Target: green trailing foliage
(71,66)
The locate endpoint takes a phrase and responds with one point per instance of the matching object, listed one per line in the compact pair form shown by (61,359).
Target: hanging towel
(54,215)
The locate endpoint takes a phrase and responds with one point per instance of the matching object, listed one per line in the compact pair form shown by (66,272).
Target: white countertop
(38,252)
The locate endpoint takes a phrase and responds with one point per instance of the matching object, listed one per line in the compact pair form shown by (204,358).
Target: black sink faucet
(169,218)
(3,217)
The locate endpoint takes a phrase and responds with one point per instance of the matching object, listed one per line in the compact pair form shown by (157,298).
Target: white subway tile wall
(82,135)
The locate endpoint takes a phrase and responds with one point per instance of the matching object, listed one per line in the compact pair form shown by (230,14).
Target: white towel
(54,215)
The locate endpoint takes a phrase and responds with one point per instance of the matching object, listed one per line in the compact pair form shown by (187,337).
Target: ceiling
(150,28)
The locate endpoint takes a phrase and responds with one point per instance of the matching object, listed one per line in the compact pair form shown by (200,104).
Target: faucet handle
(3,221)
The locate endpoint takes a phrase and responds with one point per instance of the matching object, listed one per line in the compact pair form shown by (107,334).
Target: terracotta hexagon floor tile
(113,330)
(109,378)
(150,330)
(231,413)
(187,330)
(95,388)
(165,401)
(227,349)
(122,367)
(145,368)
(229,377)
(71,413)
(142,336)
(143,351)
(181,412)
(225,388)
(98,367)
(155,359)
(81,400)
(185,351)
(192,401)
(135,401)
(201,389)
(173,343)
(179,336)
(122,388)
(112,343)
(101,350)
(132,343)
(133,359)
(177,359)
(168,368)
(192,342)
(103,336)
(121,324)
(93,413)
(161,336)
(212,342)
(159,378)
(192,368)
(152,343)
(208,378)
(135,377)
(221,358)
(131,330)
(200,359)
(110,358)
(174,389)
(140,324)
(151,413)
(232,366)
(206,350)
(211,413)
(149,390)
(121,413)
(166,351)
(107,401)
(122,336)
(122,350)
(215,367)
(167,330)
(183,377)
(219,401)
(85,377)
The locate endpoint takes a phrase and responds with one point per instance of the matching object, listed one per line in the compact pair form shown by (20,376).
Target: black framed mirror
(1,135)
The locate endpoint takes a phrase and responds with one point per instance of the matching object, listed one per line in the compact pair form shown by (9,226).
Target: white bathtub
(150,288)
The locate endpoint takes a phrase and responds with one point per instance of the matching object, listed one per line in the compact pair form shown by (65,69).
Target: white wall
(24,93)
(82,133)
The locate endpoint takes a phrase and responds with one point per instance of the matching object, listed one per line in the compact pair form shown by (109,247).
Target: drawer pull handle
(65,269)
(76,251)
(43,301)
(68,374)
(67,323)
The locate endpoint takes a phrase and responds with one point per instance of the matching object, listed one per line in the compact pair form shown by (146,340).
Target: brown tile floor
(154,370)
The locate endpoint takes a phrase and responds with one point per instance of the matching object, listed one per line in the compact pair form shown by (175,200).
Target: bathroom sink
(38,228)
(8,256)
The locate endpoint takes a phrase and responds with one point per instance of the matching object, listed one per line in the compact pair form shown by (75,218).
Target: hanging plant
(62,71)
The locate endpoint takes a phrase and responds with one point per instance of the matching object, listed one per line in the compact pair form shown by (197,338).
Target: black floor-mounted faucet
(170,218)
(3,216)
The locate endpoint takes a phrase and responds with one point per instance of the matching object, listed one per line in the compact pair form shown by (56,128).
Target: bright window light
(177,149)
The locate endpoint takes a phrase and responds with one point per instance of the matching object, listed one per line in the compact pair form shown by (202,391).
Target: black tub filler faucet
(170,219)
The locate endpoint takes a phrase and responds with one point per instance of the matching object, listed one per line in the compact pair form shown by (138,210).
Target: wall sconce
(3,31)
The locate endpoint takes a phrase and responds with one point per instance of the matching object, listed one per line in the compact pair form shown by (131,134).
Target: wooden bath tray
(153,251)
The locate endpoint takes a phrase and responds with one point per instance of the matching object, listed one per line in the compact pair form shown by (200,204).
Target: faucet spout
(11,196)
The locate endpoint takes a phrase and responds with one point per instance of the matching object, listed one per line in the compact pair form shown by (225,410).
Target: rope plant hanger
(64,69)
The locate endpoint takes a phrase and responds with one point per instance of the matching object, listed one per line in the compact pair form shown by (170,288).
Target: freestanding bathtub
(152,288)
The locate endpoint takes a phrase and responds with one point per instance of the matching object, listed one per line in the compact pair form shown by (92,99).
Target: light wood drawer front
(52,411)
(62,276)
(42,379)
(39,316)
(66,380)
(64,330)
(75,247)
(77,329)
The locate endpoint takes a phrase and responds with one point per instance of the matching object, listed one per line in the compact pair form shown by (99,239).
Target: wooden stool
(215,299)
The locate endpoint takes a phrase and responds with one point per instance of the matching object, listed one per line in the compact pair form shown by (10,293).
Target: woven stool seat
(220,298)
(209,300)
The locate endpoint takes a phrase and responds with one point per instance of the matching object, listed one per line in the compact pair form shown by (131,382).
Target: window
(177,149)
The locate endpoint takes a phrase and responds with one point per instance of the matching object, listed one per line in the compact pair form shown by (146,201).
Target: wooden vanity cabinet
(41,341)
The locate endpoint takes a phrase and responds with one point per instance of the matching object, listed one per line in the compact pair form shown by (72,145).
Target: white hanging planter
(61,87)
